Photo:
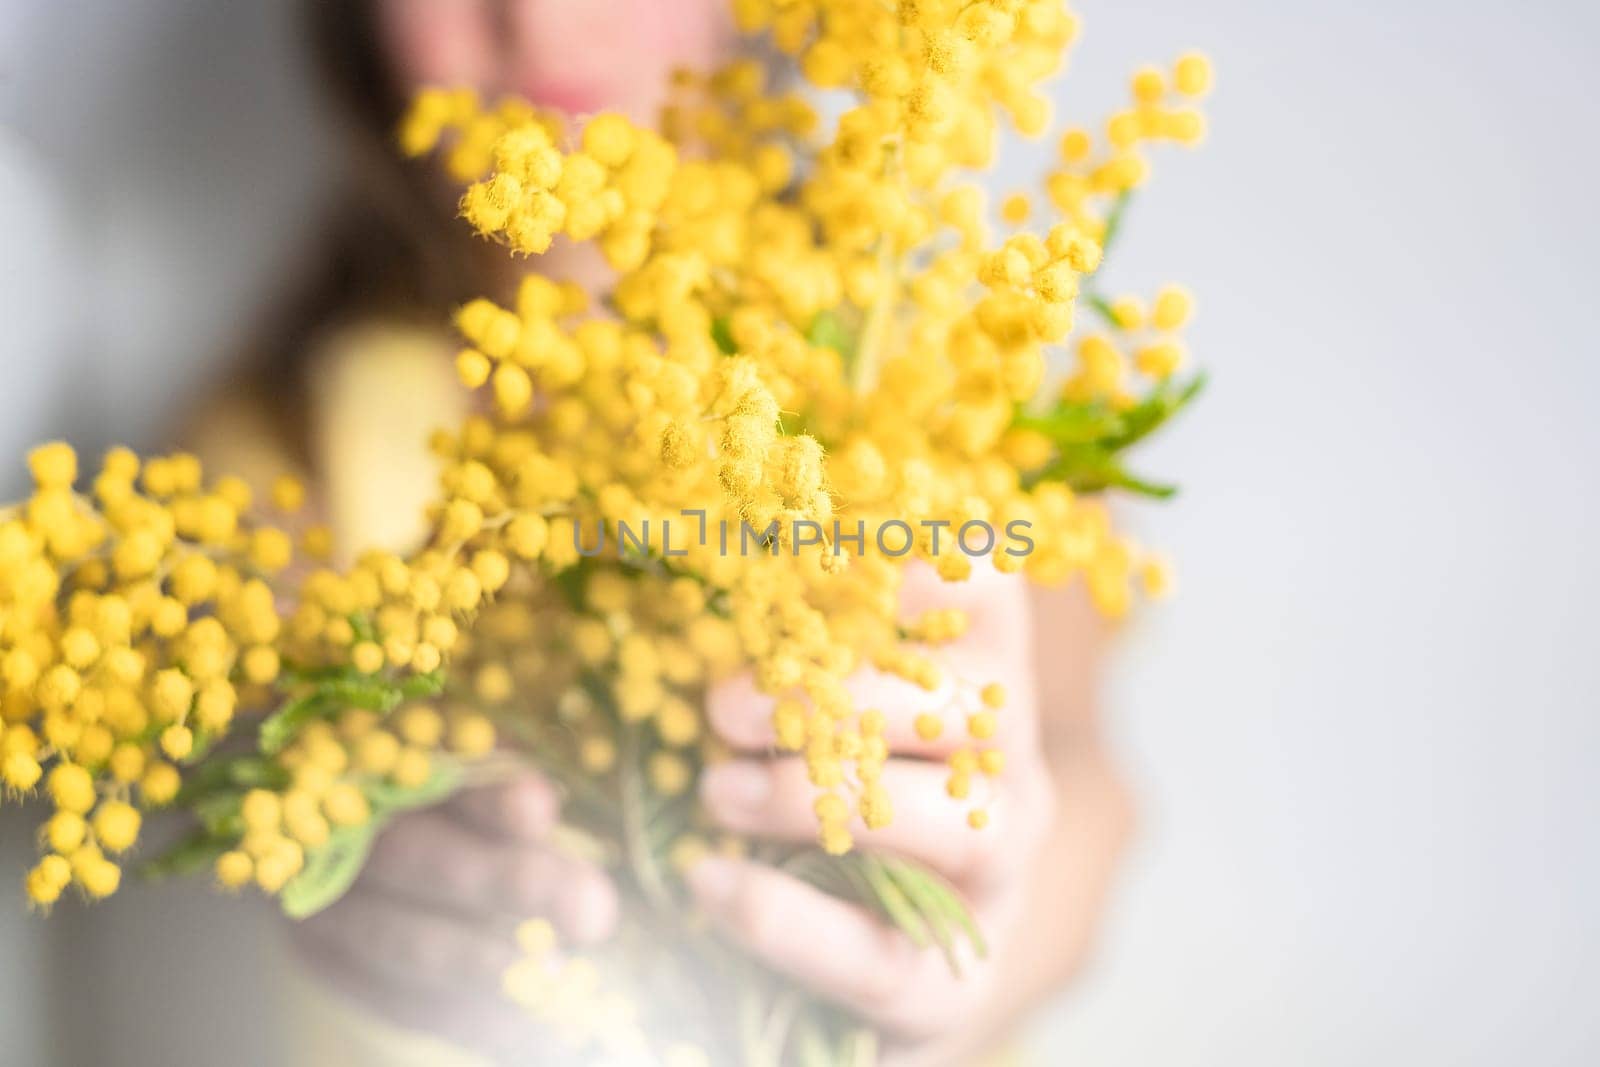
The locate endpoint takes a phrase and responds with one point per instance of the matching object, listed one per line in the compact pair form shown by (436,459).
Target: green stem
(775,1036)
(1119,208)
(860,1048)
(875,329)
(752,1035)
(1103,308)
(641,856)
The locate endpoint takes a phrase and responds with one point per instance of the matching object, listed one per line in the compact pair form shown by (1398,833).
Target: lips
(571,95)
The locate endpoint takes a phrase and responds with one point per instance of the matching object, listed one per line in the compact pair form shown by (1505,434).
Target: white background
(1365,735)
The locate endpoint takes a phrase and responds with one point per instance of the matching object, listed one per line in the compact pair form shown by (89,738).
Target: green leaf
(1165,401)
(343,688)
(723,336)
(859,1048)
(220,814)
(329,871)
(279,728)
(230,772)
(295,675)
(373,694)
(812,1047)
(828,330)
(387,798)
(1120,478)
(1102,307)
(925,896)
(1094,468)
(895,905)
(916,900)
(1069,423)
(569,583)
(639,809)
(1108,239)
(362,627)
(1089,443)
(819,869)
(417,686)
(204,741)
(939,900)
(956,910)
(254,772)
(193,854)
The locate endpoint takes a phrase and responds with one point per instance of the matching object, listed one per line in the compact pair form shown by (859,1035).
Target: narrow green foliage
(828,330)
(335,690)
(723,336)
(329,871)
(1108,238)
(1073,424)
(193,854)
(279,728)
(892,901)
(1102,307)
(231,772)
(906,894)
(1089,439)
(389,799)
(219,813)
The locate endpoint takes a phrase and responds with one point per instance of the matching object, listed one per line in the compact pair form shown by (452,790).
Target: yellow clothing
(377,393)
(327,1030)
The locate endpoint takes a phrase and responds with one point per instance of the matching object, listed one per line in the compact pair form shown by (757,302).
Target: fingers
(425,936)
(524,810)
(409,945)
(832,947)
(775,798)
(998,642)
(381,972)
(997,648)
(434,860)
(985,590)
(742,715)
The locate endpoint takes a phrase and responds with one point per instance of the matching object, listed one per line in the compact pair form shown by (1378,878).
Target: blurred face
(580,56)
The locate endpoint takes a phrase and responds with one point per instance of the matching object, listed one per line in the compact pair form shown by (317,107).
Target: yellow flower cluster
(817,364)
(132,622)
(981,759)
(1162,110)
(135,620)
(836,343)
(1148,334)
(564,993)
(332,768)
(437,111)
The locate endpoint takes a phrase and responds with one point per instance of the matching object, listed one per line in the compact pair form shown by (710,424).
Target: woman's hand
(850,956)
(427,931)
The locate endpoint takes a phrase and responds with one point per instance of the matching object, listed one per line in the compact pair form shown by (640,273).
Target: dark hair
(382,247)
